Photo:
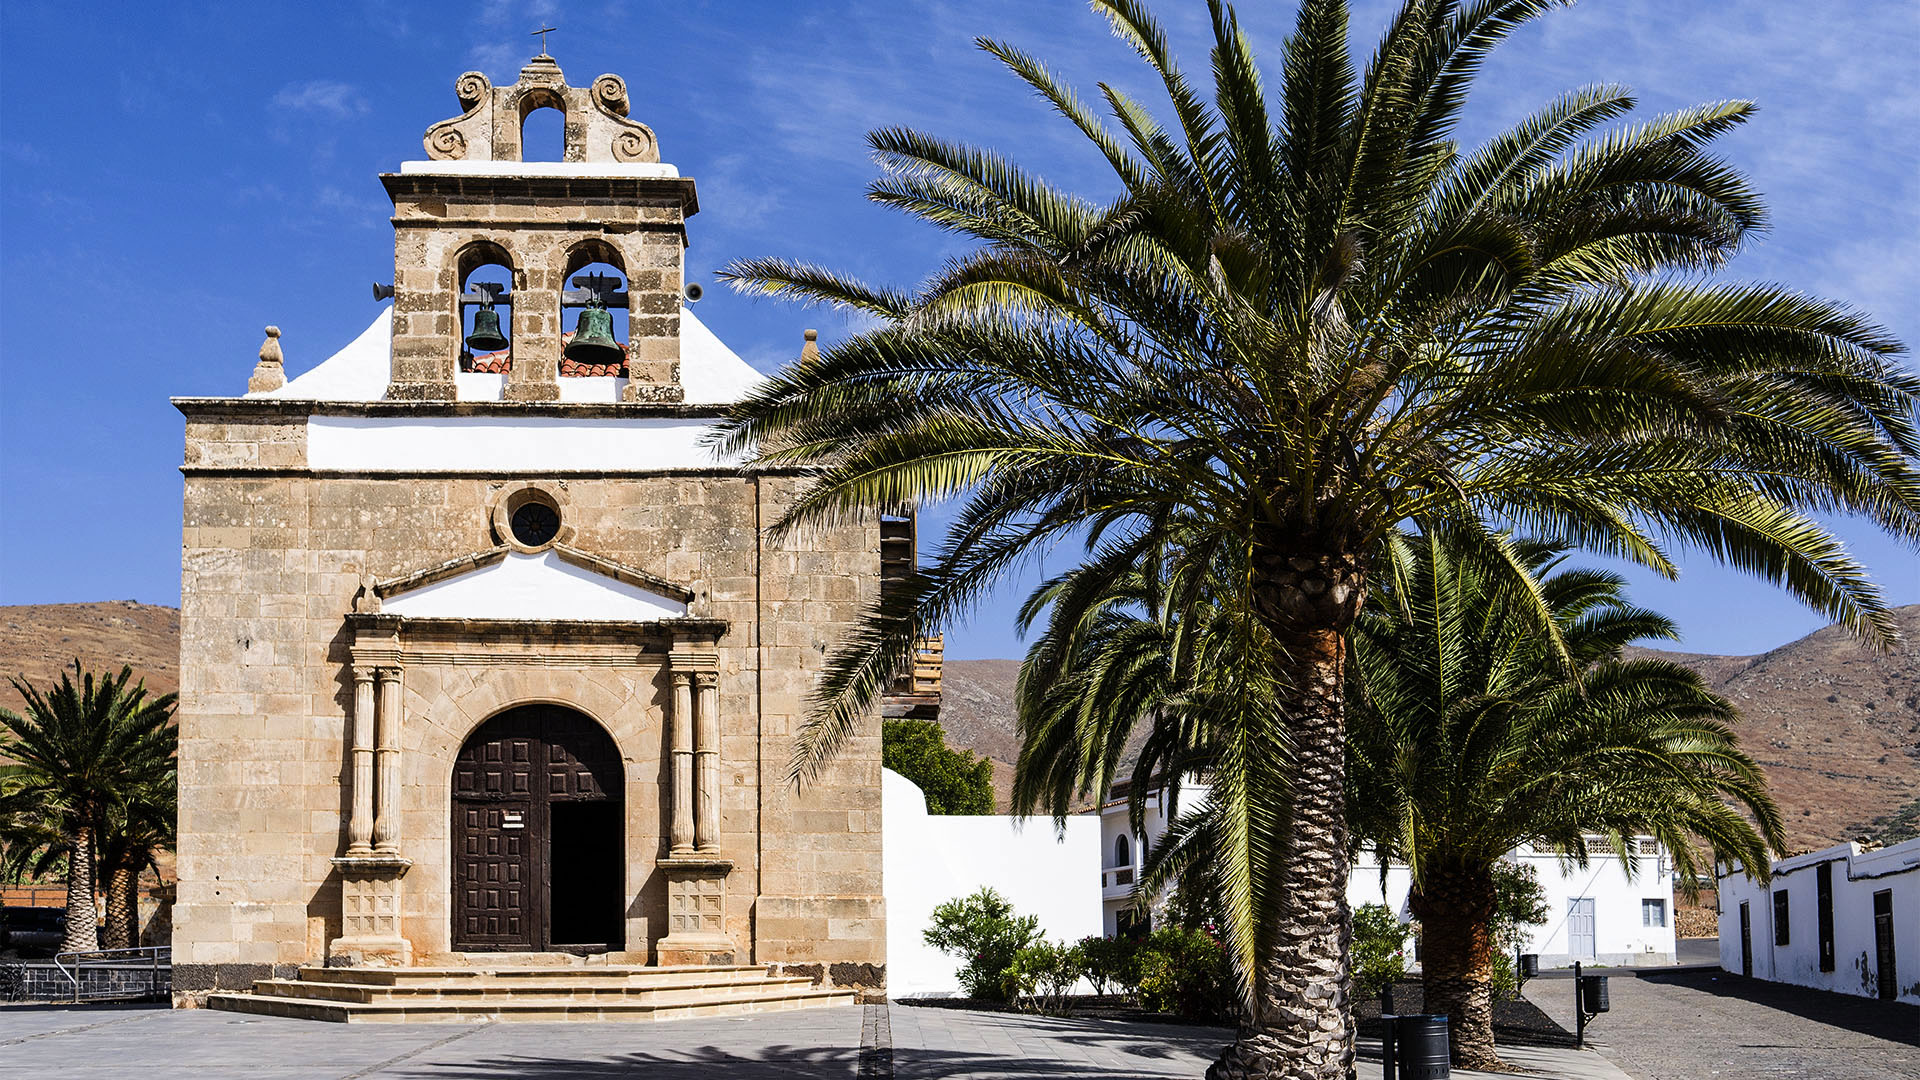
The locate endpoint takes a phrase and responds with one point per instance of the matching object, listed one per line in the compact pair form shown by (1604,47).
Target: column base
(370,905)
(696,912)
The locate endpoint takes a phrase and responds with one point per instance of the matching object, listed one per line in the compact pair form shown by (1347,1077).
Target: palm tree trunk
(83,924)
(1455,905)
(1302,1022)
(123,904)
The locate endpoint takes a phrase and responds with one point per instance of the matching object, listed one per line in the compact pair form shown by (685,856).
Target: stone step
(610,974)
(685,989)
(518,1007)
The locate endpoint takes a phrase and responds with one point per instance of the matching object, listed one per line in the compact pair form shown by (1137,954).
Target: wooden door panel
(492,895)
(504,780)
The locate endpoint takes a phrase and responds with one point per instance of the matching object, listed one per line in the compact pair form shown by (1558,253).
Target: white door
(1580,928)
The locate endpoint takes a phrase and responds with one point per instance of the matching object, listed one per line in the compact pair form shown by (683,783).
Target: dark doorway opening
(587,888)
(538,839)
(1888,976)
(1746,940)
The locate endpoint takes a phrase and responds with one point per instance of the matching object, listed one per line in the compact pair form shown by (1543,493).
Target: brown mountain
(38,640)
(1836,724)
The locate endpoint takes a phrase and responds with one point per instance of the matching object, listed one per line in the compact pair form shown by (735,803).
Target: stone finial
(810,352)
(366,601)
(270,373)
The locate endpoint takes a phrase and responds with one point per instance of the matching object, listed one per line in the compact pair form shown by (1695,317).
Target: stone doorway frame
(423,685)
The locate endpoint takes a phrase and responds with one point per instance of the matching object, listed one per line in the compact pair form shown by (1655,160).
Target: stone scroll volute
(609,129)
(597,126)
(469,136)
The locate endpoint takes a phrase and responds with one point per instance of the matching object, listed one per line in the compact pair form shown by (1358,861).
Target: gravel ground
(1709,1025)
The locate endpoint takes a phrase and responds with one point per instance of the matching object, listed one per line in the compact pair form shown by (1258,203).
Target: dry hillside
(1836,724)
(38,640)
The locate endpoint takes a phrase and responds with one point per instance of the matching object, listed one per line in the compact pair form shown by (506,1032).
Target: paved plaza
(1704,1024)
(904,1041)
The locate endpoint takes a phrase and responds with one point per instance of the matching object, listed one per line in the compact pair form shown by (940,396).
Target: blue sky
(175,176)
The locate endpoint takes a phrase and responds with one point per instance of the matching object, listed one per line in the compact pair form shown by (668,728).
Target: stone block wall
(543,230)
(272,558)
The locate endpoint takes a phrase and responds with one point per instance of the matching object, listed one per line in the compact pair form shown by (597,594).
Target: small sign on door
(511,820)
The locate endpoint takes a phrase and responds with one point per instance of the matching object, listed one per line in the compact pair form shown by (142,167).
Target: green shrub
(954,781)
(1042,974)
(1185,972)
(986,935)
(1519,902)
(1111,963)
(1379,950)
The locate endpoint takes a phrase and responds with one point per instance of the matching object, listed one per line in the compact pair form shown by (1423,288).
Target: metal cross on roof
(542,35)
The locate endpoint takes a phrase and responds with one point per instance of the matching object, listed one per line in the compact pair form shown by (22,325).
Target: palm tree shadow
(1154,1046)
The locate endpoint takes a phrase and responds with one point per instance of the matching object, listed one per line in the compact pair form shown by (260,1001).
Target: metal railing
(153,961)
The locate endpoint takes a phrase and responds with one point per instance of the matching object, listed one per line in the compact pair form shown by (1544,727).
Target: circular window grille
(534,523)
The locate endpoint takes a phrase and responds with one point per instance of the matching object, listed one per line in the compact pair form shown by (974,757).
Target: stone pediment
(559,583)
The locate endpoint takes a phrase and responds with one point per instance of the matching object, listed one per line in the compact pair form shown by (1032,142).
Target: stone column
(706,824)
(682,723)
(360,824)
(386,816)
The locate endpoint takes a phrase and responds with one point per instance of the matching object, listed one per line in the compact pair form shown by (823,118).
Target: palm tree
(1298,330)
(132,834)
(1468,738)
(84,753)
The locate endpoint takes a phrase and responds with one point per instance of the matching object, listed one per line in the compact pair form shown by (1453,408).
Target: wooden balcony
(916,693)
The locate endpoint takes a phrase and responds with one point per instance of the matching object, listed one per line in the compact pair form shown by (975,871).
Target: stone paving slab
(820,1044)
(1710,1025)
(202,1044)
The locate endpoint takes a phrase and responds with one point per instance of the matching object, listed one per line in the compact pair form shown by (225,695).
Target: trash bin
(1593,994)
(1529,965)
(1422,1047)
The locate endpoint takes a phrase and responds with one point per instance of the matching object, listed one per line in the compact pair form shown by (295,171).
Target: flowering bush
(1186,972)
(1041,975)
(1111,964)
(985,933)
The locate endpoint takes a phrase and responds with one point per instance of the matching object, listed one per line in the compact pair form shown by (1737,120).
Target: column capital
(706,680)
(693,660)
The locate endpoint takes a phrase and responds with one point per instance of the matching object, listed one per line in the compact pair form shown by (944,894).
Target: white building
(1840,919)
(1605,913)
(929,859)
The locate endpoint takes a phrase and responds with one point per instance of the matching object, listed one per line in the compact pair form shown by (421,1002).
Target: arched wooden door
(538,845)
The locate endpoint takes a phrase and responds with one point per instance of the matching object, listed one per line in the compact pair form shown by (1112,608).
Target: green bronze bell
(593,338)
(486,336)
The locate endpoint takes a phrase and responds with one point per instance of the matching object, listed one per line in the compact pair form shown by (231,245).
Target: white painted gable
(710,372)
(358,372)
(542,586)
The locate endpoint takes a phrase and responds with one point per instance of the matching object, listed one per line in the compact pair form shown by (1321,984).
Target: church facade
(486,650)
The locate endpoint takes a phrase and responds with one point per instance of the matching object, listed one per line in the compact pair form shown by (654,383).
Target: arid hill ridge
(1836,724)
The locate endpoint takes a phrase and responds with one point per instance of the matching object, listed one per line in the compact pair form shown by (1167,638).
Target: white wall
(930,859)
(1621,938)
(1857,875)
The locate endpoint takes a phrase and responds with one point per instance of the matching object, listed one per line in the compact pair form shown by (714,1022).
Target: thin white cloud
(325,96)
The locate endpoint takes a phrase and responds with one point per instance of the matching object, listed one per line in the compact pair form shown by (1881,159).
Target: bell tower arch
(476,193)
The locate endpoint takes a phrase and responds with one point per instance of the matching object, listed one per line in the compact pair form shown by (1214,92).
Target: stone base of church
(370,903)
(369,952)
(696,912)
